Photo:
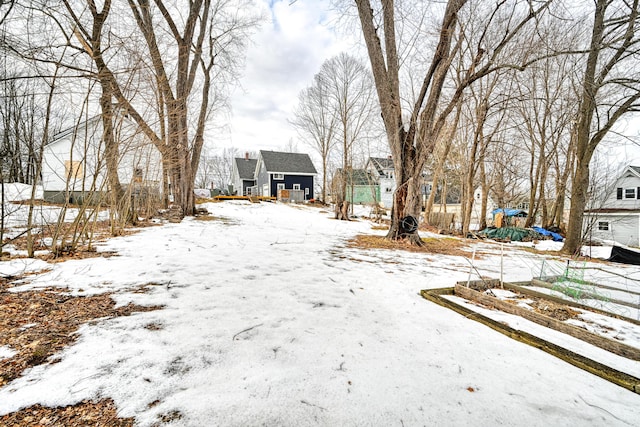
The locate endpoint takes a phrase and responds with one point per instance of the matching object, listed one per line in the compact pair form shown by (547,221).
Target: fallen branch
(245,330)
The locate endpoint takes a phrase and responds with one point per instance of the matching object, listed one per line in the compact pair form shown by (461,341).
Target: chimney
(246,155)
(390,157)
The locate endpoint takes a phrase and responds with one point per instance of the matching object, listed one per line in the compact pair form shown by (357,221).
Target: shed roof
(279,162)
(246,167)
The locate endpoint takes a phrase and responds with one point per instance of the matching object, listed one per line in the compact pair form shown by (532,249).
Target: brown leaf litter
(38,324)
(86,413)
(431,245)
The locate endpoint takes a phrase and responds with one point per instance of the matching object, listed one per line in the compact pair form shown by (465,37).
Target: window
(72,170)
(388,190)
(603,225)
(296,186)
(280,187)
(629,193)
(306,191)
(278,176)
(137,175)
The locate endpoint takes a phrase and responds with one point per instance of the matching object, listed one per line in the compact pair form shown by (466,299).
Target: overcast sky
(284,55)
(287,51)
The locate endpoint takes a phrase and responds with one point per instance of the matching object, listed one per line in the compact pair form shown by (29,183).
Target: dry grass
(100,231)
(85,413)
(432,245)
(201,200)
(222,219)
(380,227)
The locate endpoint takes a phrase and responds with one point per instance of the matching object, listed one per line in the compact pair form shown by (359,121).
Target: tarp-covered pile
(516,234)
(513,234)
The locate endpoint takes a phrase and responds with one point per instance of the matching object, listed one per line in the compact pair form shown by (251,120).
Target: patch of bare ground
(549,308)
(214,218)
(431,245)
(85,413)
(38,324)
(98,231)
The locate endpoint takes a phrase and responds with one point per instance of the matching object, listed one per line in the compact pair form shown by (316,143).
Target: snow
(43,215)
(15,191)
(6,352)
(270,318)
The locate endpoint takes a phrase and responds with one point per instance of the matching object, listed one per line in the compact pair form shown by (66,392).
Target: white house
(243,175)
(74,164)
(618,218)
(383,169)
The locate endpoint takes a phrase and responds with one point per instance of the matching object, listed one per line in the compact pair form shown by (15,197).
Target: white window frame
(296,186)
(630,193)
(306,191)
(280,186)
(278,176)
(603,226)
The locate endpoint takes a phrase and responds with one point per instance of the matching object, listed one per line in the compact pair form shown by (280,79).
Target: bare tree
(91,40)
(192,51)
(487,116)
(412,136)
(350,92)
(315,120)
(610,89)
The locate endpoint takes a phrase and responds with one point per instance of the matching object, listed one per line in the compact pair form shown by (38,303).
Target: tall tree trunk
(484,197)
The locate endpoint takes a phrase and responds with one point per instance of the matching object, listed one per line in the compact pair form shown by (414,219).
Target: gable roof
(634,169)
(291,163)
(85,124)
(358,177)
(381,163)
(246,167)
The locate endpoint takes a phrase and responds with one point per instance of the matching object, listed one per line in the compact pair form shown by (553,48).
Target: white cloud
(285,55)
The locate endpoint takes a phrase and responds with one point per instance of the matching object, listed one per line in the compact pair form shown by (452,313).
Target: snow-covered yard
(270,318)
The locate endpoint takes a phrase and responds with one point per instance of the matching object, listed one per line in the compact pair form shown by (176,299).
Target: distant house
(384,172)
(278,174)
(74,165)
(361,186)
(618,218)
(242,175)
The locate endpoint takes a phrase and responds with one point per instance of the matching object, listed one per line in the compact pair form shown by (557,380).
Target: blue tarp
(556,236)
(510,212)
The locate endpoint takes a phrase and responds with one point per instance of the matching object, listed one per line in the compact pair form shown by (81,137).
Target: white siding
(236,182)
(387,188)
(85,146)
(628,181)
(622,228)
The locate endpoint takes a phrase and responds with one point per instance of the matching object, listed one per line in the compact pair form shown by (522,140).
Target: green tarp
(514,234)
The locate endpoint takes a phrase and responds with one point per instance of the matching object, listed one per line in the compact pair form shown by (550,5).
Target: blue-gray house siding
(305,182)
(294,168)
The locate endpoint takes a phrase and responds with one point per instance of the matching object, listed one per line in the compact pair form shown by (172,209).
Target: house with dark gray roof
(242,175)
(292,172)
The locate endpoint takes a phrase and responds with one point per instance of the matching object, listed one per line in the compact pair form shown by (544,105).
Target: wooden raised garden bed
(475,292)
